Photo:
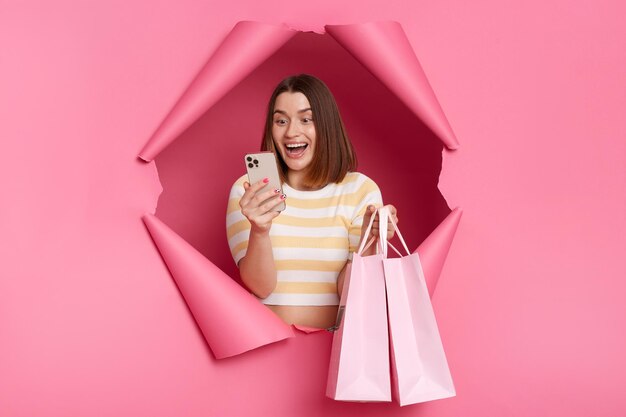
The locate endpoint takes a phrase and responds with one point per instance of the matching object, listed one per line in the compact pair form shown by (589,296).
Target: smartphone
(264,165)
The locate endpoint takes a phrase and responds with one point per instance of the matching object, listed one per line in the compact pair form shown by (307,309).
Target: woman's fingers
(368,214)
(375,231)
(261,198)
(267,217)
(253,211)
(391,231)
(376,223)
(260,208)
(393,213)
(270,204)
(251,191)
(390,234)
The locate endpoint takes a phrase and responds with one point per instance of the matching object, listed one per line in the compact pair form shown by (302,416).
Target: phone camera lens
(256,162)
(251,165)
(249,159)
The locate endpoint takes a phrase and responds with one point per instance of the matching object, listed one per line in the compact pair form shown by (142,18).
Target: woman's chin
(297,166)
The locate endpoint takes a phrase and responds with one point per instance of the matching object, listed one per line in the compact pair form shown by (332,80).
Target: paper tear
(202,94)
(381,47)
(307,330)
(303,28)
(384,49)
(243,49)
(157,185)
(434,249)
(216,301)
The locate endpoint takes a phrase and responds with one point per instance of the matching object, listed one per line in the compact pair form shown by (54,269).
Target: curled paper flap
(434,249)
(384,49)
(244,49)
(231,319)
(307,329)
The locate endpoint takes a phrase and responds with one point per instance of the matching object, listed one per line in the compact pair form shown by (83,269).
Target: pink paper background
(530,301)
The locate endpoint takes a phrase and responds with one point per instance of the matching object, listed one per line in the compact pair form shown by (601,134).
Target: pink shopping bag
(419,367)
(359,363)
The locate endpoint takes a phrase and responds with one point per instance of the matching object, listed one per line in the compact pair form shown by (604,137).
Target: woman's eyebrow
(285,113)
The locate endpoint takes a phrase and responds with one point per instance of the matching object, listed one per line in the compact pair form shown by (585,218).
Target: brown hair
(334,155)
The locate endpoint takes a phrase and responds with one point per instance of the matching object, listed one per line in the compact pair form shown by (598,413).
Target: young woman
(295,260)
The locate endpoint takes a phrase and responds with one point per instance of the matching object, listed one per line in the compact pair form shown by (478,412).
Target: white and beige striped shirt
(311,238)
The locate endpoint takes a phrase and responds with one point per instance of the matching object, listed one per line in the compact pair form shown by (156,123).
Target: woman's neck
(295,179)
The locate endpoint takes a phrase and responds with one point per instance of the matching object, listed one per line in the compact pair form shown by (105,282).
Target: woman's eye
(280,122)
(307,120)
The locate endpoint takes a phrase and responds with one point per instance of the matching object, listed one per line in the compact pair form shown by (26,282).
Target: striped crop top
(311,238)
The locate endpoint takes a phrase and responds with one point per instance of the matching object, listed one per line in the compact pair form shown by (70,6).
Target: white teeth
(295,145)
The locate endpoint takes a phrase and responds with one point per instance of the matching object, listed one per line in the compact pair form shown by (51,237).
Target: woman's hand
(257,210)
(393,212)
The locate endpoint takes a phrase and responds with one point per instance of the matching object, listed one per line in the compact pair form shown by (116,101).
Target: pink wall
(529,304)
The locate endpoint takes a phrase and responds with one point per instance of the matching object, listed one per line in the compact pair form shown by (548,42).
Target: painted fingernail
(277,191)
(266,180)
(283,196)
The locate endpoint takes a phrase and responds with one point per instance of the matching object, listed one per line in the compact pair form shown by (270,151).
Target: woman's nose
(293,130)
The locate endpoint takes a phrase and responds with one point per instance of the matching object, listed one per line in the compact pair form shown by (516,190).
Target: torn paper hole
(395,148)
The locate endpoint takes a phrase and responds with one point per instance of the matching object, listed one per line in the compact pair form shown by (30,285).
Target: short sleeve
(237,225)
(368,193)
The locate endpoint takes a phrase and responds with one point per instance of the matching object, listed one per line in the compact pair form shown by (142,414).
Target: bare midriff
(321,317)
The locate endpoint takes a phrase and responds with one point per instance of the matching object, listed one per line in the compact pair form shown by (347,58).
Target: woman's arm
(257,268)
(341,277)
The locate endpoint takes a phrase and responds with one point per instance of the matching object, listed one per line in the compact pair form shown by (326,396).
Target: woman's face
(293,130)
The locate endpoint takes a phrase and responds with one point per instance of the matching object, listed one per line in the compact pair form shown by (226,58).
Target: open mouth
(296,150)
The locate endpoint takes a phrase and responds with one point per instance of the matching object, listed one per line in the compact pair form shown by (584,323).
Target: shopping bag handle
(383,217)
(369,243)
(365,243)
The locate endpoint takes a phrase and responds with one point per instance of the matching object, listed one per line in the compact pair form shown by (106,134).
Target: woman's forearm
(341,277)
(257,268)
